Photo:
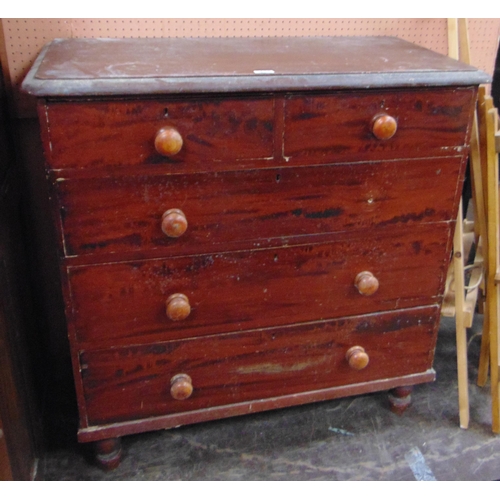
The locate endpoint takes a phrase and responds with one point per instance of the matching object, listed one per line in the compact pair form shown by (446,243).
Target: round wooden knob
(178,307)
(384,127)
(181,386)
(366,283)
(174,223)
(168,141)
(357,358)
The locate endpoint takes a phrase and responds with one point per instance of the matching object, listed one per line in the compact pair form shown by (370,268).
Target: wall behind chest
(22,39)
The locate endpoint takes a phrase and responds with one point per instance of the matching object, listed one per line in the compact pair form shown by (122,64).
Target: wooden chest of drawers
(247,224)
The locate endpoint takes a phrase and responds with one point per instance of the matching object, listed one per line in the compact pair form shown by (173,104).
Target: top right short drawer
(326,128)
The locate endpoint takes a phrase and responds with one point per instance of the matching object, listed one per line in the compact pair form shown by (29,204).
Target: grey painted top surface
(84,67)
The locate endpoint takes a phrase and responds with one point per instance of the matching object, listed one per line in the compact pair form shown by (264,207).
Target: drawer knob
(168,141)
(357,358)
(174,223)
(384,127)
(181,386)
(178,307)
(366,283)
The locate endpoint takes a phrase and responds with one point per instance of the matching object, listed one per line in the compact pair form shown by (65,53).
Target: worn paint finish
(274,368)
(288,196)
(125,302)
(89,67)
(98,135)
(324,128)
(122,213)
(131,383)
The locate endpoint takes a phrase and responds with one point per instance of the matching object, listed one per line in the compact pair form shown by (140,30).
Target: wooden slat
(492,263)
(453,38)
(478,199)
(463,41)
(448,306)
(475,278)
(484,361)
(461,332)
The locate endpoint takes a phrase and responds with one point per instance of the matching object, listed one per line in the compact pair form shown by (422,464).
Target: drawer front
(135,382)
(339,127)
(253,289)
(96,135)
(105,215)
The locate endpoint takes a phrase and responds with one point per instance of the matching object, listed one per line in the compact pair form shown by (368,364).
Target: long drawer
(120,214)
(137,382)
(233,291)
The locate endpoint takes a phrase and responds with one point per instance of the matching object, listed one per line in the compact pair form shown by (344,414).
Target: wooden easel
(484,234)
(456,302)
(488,122)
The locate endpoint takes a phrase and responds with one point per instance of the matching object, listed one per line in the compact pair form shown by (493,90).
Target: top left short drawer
(112,133)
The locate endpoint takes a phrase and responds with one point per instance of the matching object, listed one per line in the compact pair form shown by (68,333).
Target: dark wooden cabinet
(20,424)
(19,411)
(246,224)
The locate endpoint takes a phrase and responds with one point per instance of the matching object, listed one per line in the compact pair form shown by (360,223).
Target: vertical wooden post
(492,261)
(484,362)
(458,271)
(453,38)
(461,331)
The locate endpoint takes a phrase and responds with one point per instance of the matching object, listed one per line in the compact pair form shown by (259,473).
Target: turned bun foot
(400,399)
(108,453)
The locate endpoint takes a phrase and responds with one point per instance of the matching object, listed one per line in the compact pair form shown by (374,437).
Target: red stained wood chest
(247,224)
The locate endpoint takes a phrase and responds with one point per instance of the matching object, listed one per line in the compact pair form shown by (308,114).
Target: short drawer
(343,126)
(119,214)
(137,382)
(224,292)
(100,134)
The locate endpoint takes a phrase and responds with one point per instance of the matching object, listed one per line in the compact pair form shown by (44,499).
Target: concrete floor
(350,439)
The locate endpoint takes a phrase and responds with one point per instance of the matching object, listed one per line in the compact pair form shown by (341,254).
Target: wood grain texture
(339,127)
(168,421)
(134,382)
(123,302)
(98,135)
(282,196)
(120,214)
(322,129)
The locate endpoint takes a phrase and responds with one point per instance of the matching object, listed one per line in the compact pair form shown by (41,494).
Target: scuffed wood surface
(339,128)
(318,129)
(123,213)
(254,289)
(97,135)
(134,382)
(287,195)
(83,66)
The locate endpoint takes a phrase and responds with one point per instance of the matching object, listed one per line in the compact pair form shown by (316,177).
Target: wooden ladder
(483,234)
(490,144)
